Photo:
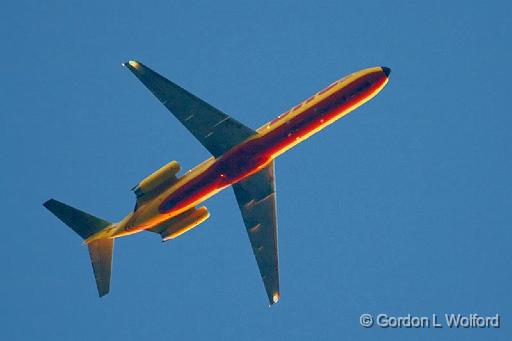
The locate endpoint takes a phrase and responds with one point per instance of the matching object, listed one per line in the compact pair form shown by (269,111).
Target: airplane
(243,158)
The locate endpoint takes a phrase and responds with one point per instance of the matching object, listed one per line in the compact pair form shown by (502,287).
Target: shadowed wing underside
(256,196)
(216,131)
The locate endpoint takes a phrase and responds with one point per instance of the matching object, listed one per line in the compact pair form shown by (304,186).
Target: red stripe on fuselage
(254,154)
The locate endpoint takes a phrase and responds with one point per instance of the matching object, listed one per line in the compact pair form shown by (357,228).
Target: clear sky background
(404,206)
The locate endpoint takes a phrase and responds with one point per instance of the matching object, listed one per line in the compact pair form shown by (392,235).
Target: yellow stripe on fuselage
(305,105)
(317,98)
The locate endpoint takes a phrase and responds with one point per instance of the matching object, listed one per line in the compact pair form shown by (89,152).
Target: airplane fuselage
(247,158)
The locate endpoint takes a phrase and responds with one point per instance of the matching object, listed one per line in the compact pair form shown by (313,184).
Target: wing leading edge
(216,131)
(256,196)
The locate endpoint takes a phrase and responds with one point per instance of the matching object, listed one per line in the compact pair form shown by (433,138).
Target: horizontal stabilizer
(101,251)
(82,223)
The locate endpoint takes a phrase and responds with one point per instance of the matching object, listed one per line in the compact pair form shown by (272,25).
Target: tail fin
(85,225)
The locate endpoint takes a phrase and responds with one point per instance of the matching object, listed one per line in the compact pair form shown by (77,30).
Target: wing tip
(102,293)
(48,203)
(274,298)
(132,64)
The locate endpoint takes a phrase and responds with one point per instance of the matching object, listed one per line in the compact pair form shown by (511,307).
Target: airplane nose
(386,70)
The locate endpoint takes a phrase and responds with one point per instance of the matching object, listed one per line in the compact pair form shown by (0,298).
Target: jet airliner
(243,158)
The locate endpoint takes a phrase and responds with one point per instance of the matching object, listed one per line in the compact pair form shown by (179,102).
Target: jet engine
(186,221)
(164,176)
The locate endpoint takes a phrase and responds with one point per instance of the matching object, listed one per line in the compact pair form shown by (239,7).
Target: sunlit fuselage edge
(245,159)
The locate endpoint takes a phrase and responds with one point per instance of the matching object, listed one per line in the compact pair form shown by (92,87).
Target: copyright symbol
(366,320)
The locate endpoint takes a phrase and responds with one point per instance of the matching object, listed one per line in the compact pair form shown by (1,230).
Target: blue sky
(404,206)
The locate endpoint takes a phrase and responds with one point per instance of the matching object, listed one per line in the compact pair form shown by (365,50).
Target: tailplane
(101,251)
(86,225)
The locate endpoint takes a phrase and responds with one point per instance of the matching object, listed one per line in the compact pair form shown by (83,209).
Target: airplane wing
(257,201)
(214,129)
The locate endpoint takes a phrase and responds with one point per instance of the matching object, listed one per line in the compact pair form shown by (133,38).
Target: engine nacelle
(165,175)
(176,226)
